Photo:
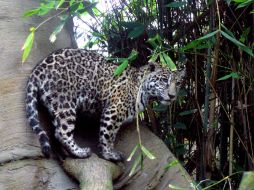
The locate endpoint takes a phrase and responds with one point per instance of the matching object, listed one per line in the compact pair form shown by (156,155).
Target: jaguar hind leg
(64,133)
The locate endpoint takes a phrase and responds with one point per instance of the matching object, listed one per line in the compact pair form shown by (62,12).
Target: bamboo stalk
(231,133)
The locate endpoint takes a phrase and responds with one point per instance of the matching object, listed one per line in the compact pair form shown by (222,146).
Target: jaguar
(69,81)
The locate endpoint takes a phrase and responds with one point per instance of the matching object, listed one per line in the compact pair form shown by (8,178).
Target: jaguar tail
(33,117)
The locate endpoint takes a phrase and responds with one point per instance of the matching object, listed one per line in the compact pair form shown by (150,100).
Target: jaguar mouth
(165,102)
(168,101)
(172,97)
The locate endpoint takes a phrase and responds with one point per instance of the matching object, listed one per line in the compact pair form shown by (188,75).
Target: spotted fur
(69,80)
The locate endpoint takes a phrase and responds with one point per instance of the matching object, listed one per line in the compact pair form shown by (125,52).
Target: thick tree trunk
(22,165)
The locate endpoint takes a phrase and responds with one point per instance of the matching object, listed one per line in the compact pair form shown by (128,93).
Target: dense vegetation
(210,127)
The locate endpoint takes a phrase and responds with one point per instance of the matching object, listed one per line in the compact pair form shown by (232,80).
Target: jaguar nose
(171,96)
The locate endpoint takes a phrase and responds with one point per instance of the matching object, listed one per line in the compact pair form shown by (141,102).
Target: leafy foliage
(28,44)
(247,181)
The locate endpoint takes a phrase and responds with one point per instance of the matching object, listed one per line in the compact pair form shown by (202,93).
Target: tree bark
(22,165)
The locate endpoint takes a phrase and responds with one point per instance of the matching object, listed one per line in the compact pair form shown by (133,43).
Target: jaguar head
(164,84)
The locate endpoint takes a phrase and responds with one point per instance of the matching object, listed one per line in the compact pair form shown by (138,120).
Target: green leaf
(91,43)
(247,181)
(57,30)
(188,112)
(71,2)
(136,163)
(237,43)
(233,75)
(96,11)
(191,45)
(170,62)
(162,60)
(89,8)
(132,153)
(152,42)
(179,125)
(171,164)
(121,67)
(45,8)
(239,1)
(136,32)
(29,40)
(166,60)
(175,187)
(225,77)
(147,153)
(195,43)
(227,30)
(205,45)
(32,29)
(28,46)
(155,41)
(74,7)
(99,35)
(154,57)
(31,12)
(247,50)
(61,2)
(245,3)
(207,36)
(176,4)
(133,55)
(232,39)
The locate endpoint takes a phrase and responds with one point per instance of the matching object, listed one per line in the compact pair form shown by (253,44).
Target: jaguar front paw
(82,152)
(113,155)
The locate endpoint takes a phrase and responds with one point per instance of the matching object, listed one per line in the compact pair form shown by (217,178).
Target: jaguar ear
(151,66)
(182,72)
